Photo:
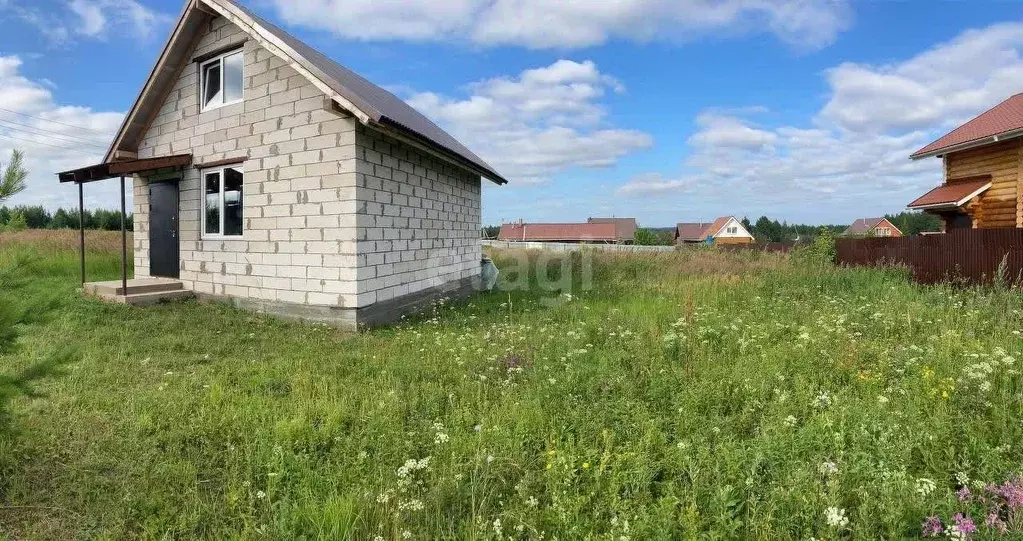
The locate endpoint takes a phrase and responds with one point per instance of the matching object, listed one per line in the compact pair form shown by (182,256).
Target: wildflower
(963,494)
(962,478)
(440,438)
(882,399)
(836,517)
(828,468)
(995,522)
(924,487)
(963,524)
(823,400)
(586,465)
(931,527)
(497,526)
(405,534)
(260,494)
(791,420)
(532,501)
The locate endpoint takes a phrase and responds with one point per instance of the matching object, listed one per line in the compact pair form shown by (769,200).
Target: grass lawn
(697,395)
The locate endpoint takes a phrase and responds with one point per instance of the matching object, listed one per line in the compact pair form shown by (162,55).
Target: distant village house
(594,231)
(724,230)
(872,227)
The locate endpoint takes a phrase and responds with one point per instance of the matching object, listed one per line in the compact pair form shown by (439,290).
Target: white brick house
(310,191)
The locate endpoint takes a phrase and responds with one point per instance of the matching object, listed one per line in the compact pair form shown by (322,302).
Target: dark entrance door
(960,220)
(163,230)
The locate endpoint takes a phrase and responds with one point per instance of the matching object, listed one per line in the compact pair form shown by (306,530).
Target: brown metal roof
(692,231)
(110,170)
(699,231)
(1002,119)
(626,226)
(601,232)
(951,195)
(862,226)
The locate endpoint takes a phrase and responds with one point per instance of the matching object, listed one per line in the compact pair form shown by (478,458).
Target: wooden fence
(969,255)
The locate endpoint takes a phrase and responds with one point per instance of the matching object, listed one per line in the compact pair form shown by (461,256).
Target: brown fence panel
(971,255)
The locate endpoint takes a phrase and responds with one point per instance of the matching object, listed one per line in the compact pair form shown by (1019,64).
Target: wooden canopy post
(81,229)
(124,243)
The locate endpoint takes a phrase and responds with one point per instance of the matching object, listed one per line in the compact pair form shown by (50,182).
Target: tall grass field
(690,395)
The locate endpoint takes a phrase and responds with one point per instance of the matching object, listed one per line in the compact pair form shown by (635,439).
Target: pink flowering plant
(996,507)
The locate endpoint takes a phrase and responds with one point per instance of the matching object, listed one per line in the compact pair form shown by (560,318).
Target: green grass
(688,395)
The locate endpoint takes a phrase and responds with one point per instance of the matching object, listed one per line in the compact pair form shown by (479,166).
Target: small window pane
(233,208)
(233,77)
(211,84)
(212,191)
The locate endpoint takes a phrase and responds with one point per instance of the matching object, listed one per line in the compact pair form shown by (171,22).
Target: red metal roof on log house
(1000,119)
(950,194)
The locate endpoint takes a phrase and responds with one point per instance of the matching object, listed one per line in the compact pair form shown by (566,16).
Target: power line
(56,122)
(77,145)
(57,135)
(9,136)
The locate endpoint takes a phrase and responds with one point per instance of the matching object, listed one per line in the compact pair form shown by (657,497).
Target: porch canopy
(953,195)
(105,171)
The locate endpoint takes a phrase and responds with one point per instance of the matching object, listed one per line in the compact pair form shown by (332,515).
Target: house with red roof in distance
(724,230)
(626,227)
(983,169)
(593,233)
(872,227)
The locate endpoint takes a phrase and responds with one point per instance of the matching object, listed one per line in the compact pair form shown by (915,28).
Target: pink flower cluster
(1000,504)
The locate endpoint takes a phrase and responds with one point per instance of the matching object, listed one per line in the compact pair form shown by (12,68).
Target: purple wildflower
(964,524)
(1012,491)
(932,527)
(995,522)
(963,494)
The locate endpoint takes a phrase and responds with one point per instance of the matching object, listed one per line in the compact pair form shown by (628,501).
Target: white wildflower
(924,486)
(828,468)
(836,517)
(791,421)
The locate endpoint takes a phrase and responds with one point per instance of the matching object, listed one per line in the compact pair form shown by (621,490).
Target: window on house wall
(733,230)
(223,209)
(222,80)
(884,232)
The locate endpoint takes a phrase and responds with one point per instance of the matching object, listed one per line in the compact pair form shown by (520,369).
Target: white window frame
(884,232)
(240,167)
(203,107)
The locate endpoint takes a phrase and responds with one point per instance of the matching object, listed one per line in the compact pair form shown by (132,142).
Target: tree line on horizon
(38,217)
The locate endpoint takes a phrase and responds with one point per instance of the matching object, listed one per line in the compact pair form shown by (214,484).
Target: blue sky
(804,111)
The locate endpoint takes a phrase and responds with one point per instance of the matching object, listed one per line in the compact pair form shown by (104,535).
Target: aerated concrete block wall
(418,219)
(298,244)
(337,216)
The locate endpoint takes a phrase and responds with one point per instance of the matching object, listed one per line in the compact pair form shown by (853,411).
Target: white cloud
(95,19)
(852,155)
(940,87)
(54,137)
(544,121)
(570,24)
(655,184)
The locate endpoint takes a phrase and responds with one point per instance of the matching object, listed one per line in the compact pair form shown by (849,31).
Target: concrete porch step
(147,299)
(135,287)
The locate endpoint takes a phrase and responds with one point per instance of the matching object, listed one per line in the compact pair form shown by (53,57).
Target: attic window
(222,80)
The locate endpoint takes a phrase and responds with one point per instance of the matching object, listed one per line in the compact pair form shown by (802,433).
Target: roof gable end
(372,105)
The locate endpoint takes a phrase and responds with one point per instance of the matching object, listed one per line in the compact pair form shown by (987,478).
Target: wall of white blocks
(335,214)
(418,219)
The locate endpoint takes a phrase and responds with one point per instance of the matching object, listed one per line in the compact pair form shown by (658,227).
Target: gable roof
(1001,121)
(604,232)
(372,105)
(699,231)
(692,231)
(626,226)
(951,195)
(863,226)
